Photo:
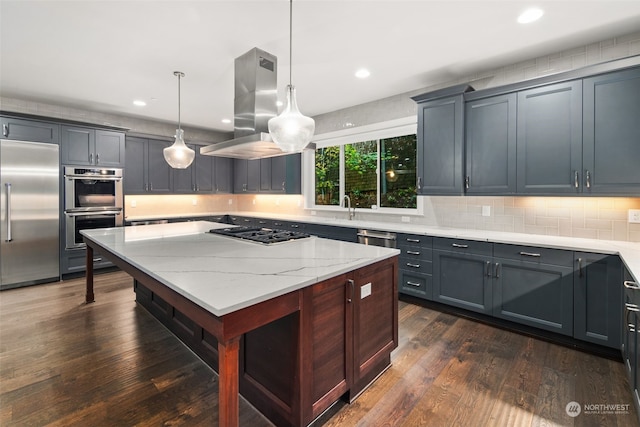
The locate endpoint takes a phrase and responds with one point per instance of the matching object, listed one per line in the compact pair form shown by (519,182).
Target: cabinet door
(253,175)
(265,175)
(611,145)
(158,170)
(77,145)
(490,145)
(550,139)
(223,172)
(109,148)
(374,298)
(439,151)
(184,179)
(462,280)
(293,174)
(204,172)
(534,294)
(135,180)
(597,294)
(30,130)
(240,171)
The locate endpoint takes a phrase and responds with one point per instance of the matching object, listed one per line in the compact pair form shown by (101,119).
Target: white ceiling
(101,55)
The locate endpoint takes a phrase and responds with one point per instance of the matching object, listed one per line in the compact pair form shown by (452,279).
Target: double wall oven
(93,198)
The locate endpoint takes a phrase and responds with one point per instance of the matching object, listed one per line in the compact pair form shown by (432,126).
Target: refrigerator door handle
(7,186)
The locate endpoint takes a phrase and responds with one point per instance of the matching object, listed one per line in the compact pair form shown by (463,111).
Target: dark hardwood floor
(110,363)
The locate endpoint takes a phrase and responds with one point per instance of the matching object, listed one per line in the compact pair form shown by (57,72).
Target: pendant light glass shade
(291,130)
(179,156)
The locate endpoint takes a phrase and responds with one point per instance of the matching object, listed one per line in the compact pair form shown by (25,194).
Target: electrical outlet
(365,290)
(405,219)
(313,212)
(194,202)
(230,201)
(486,210)
(277,202)
(634,216)
(133,203)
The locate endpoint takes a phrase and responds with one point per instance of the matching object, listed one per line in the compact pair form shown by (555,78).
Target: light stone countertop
(628,251)
(223,274)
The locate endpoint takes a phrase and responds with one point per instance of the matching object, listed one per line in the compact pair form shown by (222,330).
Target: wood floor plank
(110,363)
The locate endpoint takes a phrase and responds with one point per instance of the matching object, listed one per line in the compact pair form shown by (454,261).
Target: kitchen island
(295,325)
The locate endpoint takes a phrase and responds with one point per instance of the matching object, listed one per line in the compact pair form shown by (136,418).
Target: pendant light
(179,156)
(291,131)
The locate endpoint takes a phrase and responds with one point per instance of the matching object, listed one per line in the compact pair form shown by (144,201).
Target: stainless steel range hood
(256,94)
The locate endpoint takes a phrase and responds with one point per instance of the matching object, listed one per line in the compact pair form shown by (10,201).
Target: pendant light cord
(290,40)
(179,74)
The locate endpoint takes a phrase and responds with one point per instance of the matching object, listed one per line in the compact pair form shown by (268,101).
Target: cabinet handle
(97,158)
(151,186)
(277,224)
(413,265)
(284,186)
(351,285)
(579,267)
(295,226)
(588,179)
(90,157)
(497,270)
(631,307)
(262,222)
(488,268)
(417,285)
(457,245)
(631,285)
(530,254)
(576,180)
(466,182)
(413,240)
(419,183)
(98,259)
(5,130)
(413,253)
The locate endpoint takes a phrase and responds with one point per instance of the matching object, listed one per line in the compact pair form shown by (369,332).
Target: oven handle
(94,177)
(71,213)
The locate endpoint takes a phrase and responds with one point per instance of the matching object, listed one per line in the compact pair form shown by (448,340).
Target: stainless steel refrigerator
(29,216)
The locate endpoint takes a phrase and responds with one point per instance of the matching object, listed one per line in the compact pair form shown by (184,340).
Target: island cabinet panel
(597,298)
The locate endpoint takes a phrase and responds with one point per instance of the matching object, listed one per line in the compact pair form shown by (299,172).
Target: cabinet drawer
(414,240)
(415,253)
(463,246)
(533,254)
(419,285)
(415,265)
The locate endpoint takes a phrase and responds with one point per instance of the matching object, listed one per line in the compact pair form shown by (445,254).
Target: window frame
(377,131)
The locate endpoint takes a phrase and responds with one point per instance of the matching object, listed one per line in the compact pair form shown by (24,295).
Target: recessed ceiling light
(139,103)
(530,15)
(362,73)
(226,121)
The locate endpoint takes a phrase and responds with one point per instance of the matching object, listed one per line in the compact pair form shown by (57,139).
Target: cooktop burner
(258,234)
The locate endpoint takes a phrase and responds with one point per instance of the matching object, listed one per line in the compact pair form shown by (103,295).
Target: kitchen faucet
(351,214)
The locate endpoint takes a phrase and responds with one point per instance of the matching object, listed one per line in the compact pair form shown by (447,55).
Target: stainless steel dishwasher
(377,238)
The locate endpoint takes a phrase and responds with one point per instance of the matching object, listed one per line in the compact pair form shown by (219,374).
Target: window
(379,173)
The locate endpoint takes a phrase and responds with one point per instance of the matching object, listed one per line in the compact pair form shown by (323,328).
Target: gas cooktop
(260,235)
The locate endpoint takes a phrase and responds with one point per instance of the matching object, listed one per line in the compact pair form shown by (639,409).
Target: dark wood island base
(294,368)
(291,356)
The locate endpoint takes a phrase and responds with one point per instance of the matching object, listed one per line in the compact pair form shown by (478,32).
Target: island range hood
(256,94)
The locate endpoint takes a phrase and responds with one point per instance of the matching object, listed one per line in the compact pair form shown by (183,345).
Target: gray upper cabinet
(286,174)
(281,174)
(265,175)
(550,139)
(611,133)
(146,171)
(223,174)
(30,130)
(440,141)
(490,145)
(92,147)
(197,178)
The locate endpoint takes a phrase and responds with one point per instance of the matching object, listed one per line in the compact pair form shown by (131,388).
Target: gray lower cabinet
(461,274)
(534,287)
(74,261)
(550,139)
(611,130)
(490,145)
(92,147)
(30,130)
(597,298)
(630,335)
(415,265)
(146,171)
